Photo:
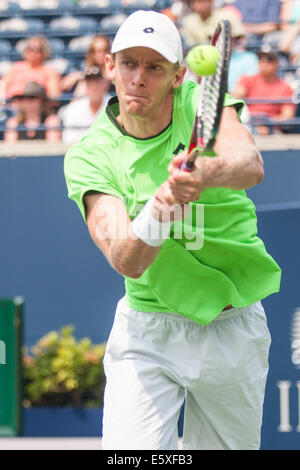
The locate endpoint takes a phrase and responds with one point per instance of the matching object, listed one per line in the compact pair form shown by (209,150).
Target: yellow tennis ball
(203,59)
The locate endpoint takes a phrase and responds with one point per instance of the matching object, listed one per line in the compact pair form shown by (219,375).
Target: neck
(146,126)
(95,105)
(269,78)
(205,15)
(33,65)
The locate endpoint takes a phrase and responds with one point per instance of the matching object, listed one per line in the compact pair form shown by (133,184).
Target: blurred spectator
(286,37)
(259,16)
(288,41)
(241,59)
(290,13)
(266,85)
(74,81)
(32,113)
(32,68)
(78,115)
(229,4)
(177,10)
(199,26)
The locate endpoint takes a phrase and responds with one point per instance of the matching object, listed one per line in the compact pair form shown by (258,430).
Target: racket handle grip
(187,166)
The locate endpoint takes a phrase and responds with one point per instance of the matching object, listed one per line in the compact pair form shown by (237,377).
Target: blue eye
(127,63)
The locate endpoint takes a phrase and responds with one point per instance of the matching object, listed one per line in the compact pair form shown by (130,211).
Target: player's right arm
(112,230)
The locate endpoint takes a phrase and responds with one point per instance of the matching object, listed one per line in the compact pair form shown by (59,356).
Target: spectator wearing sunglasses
(33,68)
(266,86)
(33,119)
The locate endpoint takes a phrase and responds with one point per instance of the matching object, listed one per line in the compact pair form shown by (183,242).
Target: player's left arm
(238,164)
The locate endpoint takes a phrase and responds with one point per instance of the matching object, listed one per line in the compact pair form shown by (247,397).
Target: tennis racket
(211,98)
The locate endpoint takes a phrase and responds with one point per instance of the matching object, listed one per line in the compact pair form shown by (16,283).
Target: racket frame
(200,143)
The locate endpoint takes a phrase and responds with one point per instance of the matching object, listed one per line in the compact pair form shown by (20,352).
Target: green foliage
(63,371)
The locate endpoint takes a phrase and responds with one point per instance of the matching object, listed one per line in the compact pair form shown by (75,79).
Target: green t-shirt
(224,264)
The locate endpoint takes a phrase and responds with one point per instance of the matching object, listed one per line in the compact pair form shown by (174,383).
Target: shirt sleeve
(230,101)
(88,170)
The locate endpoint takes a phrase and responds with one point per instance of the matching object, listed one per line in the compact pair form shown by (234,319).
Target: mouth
(133,96)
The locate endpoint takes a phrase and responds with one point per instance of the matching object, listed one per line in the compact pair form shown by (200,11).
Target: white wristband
(148,229)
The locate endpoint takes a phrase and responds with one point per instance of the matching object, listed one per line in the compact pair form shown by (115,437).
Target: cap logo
(148,30)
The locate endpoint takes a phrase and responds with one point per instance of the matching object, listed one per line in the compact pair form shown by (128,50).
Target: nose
(139,76)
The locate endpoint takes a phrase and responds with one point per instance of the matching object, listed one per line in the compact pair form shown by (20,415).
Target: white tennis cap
(150,29)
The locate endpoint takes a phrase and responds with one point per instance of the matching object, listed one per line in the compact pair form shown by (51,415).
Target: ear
(179,75)
(110,67)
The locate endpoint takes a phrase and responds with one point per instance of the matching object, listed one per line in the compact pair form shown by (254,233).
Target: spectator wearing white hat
(80,114)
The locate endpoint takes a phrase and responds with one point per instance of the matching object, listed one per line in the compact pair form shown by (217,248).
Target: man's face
(30,104)
(96,87)
(99,50)
(144,80)
(202,7)
(268,66)
(34,52)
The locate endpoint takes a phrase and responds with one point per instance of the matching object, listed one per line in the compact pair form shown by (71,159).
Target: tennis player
(191,326)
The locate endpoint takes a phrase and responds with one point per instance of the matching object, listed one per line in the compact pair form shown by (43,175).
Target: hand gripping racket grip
(187,166)
(189,163)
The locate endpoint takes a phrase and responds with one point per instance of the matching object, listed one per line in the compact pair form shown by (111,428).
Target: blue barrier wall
(278,209)
(46,256)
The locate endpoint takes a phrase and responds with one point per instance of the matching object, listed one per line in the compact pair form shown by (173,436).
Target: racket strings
(212,86)
(211,98)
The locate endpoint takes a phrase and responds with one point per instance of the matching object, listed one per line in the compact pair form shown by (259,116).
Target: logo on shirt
(148,30)
(179,148)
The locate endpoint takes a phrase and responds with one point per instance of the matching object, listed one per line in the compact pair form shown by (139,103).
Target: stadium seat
(79,46)
(99,7)
(5,48)
(71,25)
(9,9)
(93,3)
(5,65)
(57,47)
(38,4)
(111,23)
(133,5)
(19,48)
(60,64)
(15,27)
(46,7)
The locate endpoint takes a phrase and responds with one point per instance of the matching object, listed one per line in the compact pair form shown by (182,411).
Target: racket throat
(196,146)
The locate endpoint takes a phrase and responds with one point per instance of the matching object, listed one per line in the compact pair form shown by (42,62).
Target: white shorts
(155,361)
